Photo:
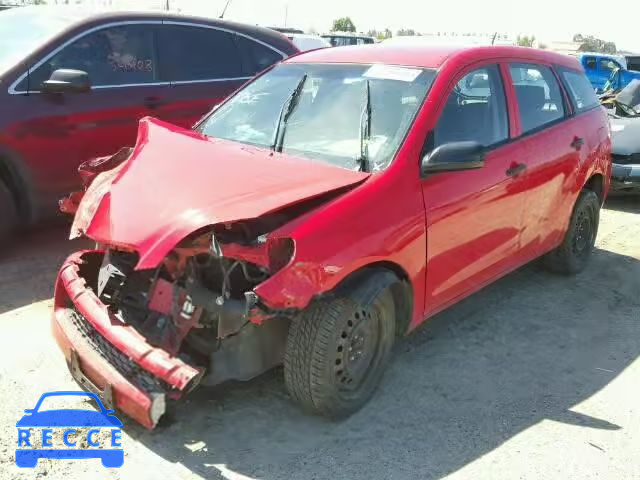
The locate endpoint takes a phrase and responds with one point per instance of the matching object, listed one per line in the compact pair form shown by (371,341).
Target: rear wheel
(573,254)
(8,213)
(337,350)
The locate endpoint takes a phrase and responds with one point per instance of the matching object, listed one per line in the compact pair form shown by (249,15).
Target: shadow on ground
(623,203)
(29,264)
(528,348)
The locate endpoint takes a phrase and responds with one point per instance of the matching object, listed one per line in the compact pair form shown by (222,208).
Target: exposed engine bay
(199,303)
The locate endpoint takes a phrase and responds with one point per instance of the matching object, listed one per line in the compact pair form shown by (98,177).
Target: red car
(338,200)
(75,83)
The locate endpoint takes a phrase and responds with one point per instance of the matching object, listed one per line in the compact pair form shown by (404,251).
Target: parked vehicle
(624,117)
(341,39)
(305,42)
(599,66)
(75,83)
(337,200)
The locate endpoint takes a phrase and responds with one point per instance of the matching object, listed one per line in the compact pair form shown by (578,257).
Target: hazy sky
(547,19)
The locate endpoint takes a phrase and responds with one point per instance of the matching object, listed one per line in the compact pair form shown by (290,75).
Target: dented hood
(177,181)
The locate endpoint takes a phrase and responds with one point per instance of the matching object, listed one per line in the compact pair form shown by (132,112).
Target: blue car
(111,458)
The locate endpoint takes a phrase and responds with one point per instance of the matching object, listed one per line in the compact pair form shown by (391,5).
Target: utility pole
(166,5)
(286,14)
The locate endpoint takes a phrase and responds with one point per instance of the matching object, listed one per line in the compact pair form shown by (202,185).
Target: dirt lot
(535,377)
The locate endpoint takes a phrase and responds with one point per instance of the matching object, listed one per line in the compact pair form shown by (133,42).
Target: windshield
(24,29)
(325,121)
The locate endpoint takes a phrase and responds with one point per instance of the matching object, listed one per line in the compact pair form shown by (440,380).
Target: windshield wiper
(365,130)
(285,113)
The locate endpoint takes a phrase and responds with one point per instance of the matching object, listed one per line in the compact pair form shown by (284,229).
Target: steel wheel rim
(357,349)
(583,234)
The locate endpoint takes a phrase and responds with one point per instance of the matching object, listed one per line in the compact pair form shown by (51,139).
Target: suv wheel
(8,213)
(337,349)
(574,252)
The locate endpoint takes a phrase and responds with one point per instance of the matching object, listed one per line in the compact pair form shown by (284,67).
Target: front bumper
(625,178)
(110,357)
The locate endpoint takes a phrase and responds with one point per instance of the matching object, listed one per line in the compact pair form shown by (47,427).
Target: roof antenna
(225,9)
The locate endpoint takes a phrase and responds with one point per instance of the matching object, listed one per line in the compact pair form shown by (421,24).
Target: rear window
(580,90)
(256,57)
(539,96)
(189,53)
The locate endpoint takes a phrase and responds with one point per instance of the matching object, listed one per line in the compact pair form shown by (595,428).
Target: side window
(590,63)
(538,94)
(476,110)
(580,90)
(607,65)
(256,56)
(111,56)
(189,53)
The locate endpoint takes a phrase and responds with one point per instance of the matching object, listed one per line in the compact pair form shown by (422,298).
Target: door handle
(577,143)
(516,170)
(153,102)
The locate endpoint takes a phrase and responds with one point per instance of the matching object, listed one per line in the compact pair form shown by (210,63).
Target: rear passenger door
(550,144)
(203,65)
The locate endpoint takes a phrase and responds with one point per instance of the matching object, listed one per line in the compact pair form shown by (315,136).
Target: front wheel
(573,254)
(338,348)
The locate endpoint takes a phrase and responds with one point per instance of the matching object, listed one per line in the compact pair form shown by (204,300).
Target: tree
(593,44)
(525,40)
(343,24)
(409,32)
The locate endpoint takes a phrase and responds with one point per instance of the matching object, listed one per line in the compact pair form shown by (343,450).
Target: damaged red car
(335,202)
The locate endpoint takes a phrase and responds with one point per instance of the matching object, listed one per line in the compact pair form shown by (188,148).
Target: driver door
(473,217)
(65,129)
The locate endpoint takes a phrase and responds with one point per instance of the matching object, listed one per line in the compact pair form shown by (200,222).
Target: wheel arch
(15,176)
(392,276)
(595,183)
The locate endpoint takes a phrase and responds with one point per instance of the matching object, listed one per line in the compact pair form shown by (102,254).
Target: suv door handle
(516,169)
(153,102)
(577,143)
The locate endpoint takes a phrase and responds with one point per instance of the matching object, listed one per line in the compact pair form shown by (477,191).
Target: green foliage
(590,43)
(343,24)
(525,40)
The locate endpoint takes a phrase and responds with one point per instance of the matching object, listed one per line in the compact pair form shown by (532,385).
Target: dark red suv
(73,85)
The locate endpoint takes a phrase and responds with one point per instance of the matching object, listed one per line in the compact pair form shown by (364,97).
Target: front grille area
(626,159)
(125,366)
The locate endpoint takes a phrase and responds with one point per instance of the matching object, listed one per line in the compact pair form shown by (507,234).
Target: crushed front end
(141,338)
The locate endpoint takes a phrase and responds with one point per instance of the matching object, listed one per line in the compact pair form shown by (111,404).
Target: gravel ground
(535,377)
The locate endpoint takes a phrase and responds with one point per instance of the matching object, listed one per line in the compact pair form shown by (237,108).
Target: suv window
(538,93)
(111,56)
(476,110)
(190,53)
(580,89)
(256,56)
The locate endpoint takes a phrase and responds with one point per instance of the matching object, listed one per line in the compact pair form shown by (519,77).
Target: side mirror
(452,157)
(67,81)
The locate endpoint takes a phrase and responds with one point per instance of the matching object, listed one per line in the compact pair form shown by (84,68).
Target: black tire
(8,213)
(573,254)
(320,371)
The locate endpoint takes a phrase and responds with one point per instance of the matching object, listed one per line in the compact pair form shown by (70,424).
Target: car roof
(428,56)
(78,15)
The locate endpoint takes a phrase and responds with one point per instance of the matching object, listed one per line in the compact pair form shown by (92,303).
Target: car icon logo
(68,420)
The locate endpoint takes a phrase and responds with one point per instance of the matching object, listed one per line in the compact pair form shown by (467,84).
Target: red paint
(448,234)
(176,193)
(45,137)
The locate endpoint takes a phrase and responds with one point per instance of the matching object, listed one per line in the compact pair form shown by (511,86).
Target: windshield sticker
(388,72)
